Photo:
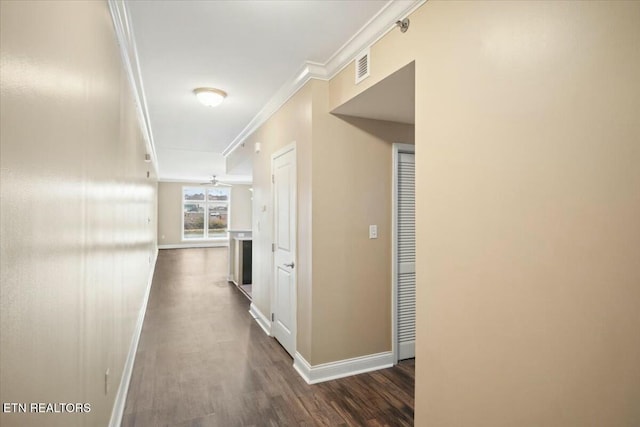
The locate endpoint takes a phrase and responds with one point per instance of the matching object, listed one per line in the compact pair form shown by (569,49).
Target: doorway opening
(393,100)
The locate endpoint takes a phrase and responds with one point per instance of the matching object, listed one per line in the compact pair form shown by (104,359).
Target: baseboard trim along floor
(121,395)
(341,368)
(219,244)
(262,320)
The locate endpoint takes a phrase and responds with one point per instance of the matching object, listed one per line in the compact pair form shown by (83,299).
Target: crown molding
(308,71)
(127,44)
(383,22)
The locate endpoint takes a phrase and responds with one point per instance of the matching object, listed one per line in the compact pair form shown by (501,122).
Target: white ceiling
(247,48)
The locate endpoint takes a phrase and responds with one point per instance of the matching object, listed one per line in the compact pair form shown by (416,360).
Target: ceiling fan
(214,181)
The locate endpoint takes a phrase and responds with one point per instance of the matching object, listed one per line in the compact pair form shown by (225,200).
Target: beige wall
(240,208)
(170,210)
(76,241)
(170,213)
(528,241)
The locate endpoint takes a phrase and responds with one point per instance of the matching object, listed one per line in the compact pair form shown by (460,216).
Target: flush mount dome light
(209,96)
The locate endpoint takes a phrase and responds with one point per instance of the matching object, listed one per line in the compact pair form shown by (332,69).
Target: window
(199,203)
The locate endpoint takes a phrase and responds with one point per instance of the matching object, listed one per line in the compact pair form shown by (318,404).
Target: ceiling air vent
(362,66)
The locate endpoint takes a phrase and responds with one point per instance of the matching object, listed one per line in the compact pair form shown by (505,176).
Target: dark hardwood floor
(203,361)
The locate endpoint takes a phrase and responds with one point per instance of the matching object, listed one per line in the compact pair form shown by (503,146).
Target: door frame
(398,148)
(294,328)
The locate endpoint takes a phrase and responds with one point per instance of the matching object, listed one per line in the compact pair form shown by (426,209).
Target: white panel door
(284,232)
(406,268)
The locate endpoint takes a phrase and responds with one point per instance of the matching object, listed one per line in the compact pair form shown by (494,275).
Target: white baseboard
(220,244)
(121,395)
(342,368)
(262,320)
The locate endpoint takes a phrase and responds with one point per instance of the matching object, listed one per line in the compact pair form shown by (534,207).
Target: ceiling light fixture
(209,96)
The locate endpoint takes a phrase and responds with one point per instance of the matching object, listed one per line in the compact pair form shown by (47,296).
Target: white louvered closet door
(406,256)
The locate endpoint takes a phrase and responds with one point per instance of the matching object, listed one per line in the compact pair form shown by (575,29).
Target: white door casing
(283,168)
(404,270)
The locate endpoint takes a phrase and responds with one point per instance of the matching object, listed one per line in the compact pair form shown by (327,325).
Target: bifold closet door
(406,279)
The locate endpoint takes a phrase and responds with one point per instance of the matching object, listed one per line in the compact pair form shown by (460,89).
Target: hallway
(203,361)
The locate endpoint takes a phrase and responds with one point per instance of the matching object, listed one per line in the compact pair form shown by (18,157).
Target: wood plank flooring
(203,361)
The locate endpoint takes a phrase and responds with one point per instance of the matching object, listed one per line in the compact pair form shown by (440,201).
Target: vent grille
(362,66)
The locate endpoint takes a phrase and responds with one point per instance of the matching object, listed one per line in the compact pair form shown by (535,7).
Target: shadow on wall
(383,129)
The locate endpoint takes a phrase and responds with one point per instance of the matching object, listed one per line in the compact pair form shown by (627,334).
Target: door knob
(290,265)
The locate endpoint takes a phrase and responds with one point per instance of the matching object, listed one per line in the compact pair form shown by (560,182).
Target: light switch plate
(373,231)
